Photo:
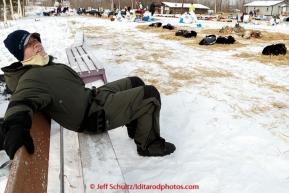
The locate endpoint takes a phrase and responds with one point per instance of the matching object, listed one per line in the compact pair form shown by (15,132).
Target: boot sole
(146,153)
(154,155)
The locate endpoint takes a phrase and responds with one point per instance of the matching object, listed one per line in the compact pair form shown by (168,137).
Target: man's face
(32,48)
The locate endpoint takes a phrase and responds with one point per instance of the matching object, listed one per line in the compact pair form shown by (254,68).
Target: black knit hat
(16,41)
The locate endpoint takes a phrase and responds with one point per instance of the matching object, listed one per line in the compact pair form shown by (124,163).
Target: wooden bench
(82,60)
(28,173)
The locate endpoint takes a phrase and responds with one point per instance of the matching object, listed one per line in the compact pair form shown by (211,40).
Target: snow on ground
(228,116)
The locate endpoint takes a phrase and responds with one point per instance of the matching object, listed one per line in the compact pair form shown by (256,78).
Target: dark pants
(128,100)
(1,137)
(1,142)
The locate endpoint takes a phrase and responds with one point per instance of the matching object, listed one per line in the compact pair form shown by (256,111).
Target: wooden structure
(83,61)
(28,173)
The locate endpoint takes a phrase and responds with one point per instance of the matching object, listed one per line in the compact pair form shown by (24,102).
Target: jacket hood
(13,72)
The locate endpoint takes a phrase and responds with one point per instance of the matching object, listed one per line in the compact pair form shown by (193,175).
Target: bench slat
(80,50)
(89,63)
(71,60)
(79,60)
(86,59)
(82,60)
(93,59)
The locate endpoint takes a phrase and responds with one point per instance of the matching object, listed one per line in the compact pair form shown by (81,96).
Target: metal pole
(61,161)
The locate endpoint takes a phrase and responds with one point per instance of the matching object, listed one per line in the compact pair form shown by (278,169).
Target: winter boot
(131,128)
(157,148)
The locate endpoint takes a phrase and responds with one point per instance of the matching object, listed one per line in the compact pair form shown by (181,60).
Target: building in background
(268,7)
(176,8)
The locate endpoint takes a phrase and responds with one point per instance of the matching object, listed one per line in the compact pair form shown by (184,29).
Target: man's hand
(15,138)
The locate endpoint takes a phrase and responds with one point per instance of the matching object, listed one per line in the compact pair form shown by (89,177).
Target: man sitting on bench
(55,89)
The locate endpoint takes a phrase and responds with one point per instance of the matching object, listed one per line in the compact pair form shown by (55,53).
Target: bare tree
(19,9)
(240,5)
(23,8)
(221,5)
(5,14)
(11,9)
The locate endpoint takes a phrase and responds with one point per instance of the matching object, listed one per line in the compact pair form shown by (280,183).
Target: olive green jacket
(54,89)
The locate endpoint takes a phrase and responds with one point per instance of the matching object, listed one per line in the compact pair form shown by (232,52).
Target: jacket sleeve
(28,97)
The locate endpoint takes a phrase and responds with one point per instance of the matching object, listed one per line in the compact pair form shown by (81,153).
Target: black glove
(15,138)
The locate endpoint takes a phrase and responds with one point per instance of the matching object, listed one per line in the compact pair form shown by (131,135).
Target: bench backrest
(82,60)
(78,39)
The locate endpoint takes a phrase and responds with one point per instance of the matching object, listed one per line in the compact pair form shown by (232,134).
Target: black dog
(190,34)
(157,24)
(194,34)
(275,49)
(168,26)
(231,40)
(225,40)
(181,32)
(208,40)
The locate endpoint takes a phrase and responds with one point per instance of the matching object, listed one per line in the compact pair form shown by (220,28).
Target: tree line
(221,5)
(13,6)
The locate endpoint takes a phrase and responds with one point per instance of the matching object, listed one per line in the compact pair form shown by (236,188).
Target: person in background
(152,8)
(58,10)
(83,11)
(274,16)
(114,9)
(192,7)
(35,82)
(242,16)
